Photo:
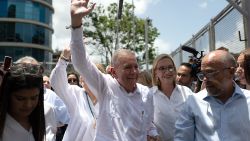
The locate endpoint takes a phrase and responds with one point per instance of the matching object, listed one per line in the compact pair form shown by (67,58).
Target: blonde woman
(168,96)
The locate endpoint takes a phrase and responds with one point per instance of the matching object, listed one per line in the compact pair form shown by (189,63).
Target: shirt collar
(136,91)
(237,92)
(154,89)
(176,88)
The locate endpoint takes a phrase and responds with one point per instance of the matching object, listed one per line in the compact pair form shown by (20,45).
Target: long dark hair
(23,77)
(246,65)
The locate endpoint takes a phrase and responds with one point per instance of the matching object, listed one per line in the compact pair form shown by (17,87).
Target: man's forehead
(127,59)
(129,64)
(182,67)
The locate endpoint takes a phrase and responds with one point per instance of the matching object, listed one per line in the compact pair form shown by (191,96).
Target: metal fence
(225,30)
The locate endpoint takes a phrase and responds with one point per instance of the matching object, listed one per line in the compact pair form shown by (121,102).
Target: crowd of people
(124,103)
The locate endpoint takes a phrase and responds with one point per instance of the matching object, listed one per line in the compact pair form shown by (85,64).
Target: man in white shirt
(126,108)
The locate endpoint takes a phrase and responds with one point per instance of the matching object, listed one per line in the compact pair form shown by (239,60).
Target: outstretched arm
(60,83)
(81,62)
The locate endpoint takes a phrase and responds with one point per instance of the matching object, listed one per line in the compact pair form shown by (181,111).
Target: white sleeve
(60,84)
(152,131)
(185,124)
(88,70)
(61,111)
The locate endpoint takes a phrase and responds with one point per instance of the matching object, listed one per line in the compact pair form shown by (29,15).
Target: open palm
(79,9)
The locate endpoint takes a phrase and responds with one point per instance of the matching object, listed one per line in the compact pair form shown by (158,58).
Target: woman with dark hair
(243,69)
(73,78)
(21,104)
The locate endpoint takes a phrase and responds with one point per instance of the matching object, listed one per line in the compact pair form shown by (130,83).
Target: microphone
(190,50)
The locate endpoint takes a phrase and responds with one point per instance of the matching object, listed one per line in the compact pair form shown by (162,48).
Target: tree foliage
(100,32)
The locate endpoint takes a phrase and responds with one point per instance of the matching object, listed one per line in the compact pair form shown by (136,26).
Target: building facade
(26,29)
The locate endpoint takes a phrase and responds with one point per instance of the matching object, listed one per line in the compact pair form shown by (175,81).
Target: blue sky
(176,20)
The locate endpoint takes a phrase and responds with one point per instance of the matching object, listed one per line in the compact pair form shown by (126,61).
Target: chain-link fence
(225,30)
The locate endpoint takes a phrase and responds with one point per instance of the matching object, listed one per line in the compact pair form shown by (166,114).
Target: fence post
(246,18)
(211,33)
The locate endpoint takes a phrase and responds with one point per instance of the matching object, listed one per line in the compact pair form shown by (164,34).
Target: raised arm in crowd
(126,108)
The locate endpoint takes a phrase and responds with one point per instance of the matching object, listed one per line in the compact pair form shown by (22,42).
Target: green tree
(101,26)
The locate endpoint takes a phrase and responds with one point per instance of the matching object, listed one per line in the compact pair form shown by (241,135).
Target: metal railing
(227,30)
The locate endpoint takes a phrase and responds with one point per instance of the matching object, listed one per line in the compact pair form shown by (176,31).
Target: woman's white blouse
(166,110)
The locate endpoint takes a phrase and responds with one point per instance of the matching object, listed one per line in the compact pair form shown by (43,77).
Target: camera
(195,60)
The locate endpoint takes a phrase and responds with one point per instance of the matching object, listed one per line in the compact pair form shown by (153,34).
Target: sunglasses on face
(72,80)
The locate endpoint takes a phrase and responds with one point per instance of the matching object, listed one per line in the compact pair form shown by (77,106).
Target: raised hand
(66,55)
(79,9)
(66,52)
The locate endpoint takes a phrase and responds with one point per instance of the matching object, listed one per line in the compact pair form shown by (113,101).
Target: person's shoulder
(185,89)
(142,87)
(144,90)
(241,91)
(48,91)
(48,107)
(153,89)
(50,94)
(199,97)
(246,92)
(109,79)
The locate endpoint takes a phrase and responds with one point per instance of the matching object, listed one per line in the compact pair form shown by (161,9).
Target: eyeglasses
(166,68)
(22,68)
(209,75)
(72,80)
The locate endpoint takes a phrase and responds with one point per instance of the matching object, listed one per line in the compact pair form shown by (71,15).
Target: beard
(214,91)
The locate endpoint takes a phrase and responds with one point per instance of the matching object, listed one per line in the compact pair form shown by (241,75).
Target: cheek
(35,104)
(15,105)
(242,74)
(157,74)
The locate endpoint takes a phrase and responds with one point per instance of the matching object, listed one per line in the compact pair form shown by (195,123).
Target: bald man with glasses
(220,112)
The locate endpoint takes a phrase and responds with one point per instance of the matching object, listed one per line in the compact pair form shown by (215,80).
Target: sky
(176,20)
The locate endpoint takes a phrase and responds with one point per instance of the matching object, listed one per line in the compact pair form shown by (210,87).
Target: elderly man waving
(126,108)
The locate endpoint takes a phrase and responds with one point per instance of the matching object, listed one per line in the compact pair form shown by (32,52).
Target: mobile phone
(7,63)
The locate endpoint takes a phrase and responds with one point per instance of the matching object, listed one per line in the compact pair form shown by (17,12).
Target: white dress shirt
(50,122)
(61,111)
(166,110)
(13,131)
(122,116)
(81,126)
